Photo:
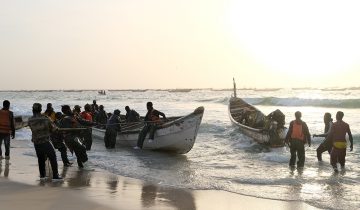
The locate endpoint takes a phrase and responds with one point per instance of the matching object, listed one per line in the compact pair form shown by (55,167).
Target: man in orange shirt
(296,137)
(7,128)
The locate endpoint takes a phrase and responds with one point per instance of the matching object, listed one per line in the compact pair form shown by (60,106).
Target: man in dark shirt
(101,117)
(7,128)
(41,128)
(152,121)
(131,115)
(73,138)
(112,128)
(57,140)
(325,145)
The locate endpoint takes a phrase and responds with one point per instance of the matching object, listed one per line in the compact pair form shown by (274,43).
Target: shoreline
(100,189)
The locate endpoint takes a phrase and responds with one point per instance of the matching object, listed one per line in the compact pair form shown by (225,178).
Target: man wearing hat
(112,128)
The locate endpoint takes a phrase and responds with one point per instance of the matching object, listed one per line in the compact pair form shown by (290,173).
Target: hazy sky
(121,44)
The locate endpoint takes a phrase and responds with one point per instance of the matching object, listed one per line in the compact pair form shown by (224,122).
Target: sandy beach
(98,189)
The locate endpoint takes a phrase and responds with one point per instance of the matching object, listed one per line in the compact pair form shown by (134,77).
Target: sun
(308,38)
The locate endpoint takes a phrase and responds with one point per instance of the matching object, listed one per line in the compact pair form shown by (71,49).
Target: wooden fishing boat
(268,130)
(176,135)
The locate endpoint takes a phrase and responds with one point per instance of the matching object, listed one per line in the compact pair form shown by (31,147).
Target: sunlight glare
(306,37)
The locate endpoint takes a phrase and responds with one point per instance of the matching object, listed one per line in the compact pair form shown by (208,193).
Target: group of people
(71,129)
(334,140)
(151,122)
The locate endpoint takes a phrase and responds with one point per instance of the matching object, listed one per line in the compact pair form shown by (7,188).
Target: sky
(160,44)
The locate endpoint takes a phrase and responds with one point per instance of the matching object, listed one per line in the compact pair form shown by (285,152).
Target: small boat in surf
(267,130)
(177,135)
(102,92)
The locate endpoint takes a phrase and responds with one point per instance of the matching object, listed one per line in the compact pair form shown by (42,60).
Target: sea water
(222,157)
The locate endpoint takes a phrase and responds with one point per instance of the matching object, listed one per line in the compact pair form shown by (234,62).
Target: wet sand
(20,188)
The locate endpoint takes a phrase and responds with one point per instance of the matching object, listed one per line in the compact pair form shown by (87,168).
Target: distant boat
(177,135)
(267,130)
(102,92)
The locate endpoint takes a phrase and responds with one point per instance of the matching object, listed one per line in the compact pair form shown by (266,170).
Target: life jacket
(87,116)
(297,131)
(5,124)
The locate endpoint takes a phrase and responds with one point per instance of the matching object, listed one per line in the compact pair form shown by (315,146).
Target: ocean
(223,158)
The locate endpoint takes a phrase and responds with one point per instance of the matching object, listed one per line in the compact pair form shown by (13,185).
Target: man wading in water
(298,134)
(325,145)
(338,139)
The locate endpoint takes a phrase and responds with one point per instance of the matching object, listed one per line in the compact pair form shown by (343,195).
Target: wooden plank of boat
(177,135)
(266,133)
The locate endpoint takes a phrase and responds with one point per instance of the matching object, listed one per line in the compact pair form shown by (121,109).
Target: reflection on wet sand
(76,178)
(178,198)
(113,187)
(6,170)
(112,182)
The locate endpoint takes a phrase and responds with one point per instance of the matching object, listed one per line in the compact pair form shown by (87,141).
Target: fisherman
(72,138)
(152,122)
(94,107)
(296,137)
(50,112)
(325,145)
(86,114)
(7,128)
(337,137)
(77,111)
(41,128)
(85,119)
(101,117)
(131,115)
(112,128)
(57,140)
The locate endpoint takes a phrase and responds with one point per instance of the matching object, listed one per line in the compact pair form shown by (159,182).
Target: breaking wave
(274,101)
(334,103)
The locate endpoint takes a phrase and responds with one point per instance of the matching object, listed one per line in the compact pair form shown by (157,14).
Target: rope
(72,129)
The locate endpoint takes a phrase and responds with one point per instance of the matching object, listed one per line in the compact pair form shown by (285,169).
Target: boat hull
(259,135)
(176,136)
